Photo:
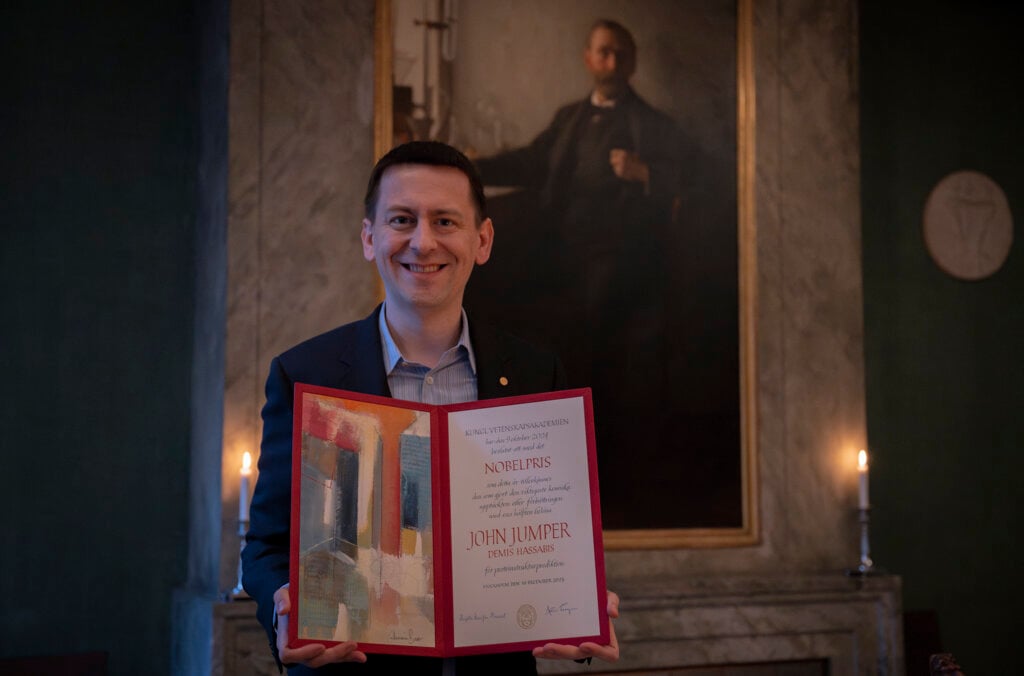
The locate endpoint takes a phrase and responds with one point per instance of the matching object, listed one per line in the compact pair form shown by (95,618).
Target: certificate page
(524,561)
(363,545)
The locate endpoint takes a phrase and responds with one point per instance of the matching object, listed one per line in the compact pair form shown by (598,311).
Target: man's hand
(608,653)
(313,655)
(628,166)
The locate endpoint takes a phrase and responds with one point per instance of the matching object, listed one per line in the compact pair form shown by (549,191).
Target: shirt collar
(392,355)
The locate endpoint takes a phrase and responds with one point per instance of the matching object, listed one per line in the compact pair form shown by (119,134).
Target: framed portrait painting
(615,141)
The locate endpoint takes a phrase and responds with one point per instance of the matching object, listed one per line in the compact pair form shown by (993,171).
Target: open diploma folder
(445,530)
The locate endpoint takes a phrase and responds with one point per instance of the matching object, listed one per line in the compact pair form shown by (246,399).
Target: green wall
(100,209)
(941,92)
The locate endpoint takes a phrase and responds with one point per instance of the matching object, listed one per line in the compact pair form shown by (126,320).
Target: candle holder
(866,566)
(243,527)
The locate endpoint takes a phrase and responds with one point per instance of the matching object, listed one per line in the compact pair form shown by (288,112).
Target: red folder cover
(445,530)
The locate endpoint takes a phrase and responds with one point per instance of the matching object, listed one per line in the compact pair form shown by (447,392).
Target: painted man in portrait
(605,176)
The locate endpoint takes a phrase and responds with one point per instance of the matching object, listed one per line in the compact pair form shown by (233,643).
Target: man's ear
(486,234)
(366,234)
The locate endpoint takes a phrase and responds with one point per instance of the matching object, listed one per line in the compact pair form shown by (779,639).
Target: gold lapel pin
(503,380)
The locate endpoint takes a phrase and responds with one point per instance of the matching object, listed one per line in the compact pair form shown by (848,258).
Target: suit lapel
(493,363)
(361,360)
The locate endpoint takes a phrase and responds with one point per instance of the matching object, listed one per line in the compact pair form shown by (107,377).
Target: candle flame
(862,460)
(246,463)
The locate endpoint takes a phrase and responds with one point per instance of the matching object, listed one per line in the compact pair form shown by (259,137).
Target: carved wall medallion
(968,228)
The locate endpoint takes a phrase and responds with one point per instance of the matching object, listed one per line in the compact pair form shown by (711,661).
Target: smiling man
(425,234)
(426,228)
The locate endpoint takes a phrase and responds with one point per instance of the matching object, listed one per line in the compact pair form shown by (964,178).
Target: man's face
(424,237)
(610,60)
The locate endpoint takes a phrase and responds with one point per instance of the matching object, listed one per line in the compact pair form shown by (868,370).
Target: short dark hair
(431,153)
(620,31)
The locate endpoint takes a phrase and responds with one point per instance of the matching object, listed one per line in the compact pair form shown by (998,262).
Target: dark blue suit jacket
(350,357)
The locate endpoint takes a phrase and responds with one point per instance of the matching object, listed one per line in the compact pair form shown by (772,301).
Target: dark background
(940,92)
(109,264)
(112,272)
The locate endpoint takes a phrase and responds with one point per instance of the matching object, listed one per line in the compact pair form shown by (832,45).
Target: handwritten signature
(482,617)
(561,608)
(408,636)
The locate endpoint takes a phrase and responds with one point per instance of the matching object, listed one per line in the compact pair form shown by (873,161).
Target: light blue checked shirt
(452,381)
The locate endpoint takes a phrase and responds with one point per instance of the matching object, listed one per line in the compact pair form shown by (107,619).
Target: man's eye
(446,222)
(401,221)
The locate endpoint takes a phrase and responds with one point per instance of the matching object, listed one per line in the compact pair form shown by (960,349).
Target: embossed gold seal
(527,616)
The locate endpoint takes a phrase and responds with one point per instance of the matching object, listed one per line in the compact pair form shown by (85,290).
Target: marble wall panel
(820,283)
(316,151)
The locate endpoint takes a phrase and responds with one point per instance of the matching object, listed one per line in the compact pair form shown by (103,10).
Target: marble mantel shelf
(674,623)
(653,588)
(855,623)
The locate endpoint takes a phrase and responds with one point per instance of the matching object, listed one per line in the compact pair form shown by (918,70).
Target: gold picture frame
(746,532)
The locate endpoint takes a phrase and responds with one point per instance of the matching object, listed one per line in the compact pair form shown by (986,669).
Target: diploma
(445,530)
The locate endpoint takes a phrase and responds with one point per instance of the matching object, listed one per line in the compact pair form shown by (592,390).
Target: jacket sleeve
(265,556)
(527,166)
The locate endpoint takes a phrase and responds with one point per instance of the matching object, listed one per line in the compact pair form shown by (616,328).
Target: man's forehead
(604,36)
(444,188)
(400,175)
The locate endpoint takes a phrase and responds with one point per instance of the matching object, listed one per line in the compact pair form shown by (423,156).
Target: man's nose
(422,236)
(612,61)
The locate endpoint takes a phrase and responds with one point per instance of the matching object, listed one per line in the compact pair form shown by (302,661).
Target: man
(606,174)
(426,228)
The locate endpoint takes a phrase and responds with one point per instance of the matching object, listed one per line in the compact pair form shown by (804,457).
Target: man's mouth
(413,267)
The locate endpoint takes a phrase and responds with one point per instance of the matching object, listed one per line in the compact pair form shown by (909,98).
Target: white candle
(862,468)
(243,493)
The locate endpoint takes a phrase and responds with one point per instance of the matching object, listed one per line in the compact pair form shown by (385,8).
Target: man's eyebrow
(443,211)
(447,211)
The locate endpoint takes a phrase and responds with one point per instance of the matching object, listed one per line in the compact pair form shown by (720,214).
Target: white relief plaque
(968,228)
